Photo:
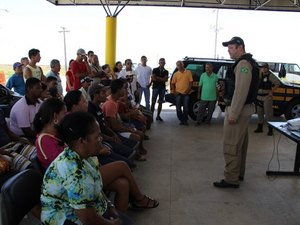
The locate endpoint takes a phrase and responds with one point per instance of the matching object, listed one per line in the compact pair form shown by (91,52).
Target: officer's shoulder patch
(244,69)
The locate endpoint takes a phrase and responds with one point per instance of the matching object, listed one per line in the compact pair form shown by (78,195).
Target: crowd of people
(86,141)
(89,138)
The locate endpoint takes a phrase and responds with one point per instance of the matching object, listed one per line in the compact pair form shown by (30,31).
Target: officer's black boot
(259,128)
(270,132)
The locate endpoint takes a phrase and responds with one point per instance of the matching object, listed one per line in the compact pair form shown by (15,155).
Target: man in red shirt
(80,68)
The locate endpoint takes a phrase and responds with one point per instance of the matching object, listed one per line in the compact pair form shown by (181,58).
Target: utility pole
(216,29)
(216,32)
(64,31)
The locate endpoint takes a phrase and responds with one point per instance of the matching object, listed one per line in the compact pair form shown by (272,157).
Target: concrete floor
(183,162)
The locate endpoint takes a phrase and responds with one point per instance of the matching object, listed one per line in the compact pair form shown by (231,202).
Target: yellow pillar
(111,37)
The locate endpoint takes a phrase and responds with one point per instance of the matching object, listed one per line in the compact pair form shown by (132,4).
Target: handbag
(4,166)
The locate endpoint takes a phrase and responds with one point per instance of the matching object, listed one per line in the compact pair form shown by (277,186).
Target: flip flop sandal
(151,203)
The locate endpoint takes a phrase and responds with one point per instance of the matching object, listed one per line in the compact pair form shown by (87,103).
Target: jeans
(160,91)
(210,105)
(146,92)
(182,101)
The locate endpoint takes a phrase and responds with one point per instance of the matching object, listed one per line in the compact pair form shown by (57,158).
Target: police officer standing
(267,84)
(240,92)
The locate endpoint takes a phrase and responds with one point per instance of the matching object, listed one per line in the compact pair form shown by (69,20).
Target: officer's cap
(234,40)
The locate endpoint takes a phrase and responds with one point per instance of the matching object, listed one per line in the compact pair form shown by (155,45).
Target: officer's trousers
(264,108)
(235,147)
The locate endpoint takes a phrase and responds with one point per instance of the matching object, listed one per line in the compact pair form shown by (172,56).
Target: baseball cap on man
(265,65)
(96,88)
(81,51)
(17,64)
(234,40)
(86,79)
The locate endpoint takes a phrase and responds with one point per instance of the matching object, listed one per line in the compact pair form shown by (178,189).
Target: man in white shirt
(144,73)
(23,112)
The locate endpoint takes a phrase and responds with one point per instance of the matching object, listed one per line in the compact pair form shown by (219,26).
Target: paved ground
(183,162)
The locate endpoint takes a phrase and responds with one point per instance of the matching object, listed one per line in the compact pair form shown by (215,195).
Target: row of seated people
(116,136)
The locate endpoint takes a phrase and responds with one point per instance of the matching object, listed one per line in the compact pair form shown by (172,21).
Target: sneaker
(160,119)
(143,151)
(223,184)
(140,158)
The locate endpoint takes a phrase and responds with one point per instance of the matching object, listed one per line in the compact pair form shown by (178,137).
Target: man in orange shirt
(181,85)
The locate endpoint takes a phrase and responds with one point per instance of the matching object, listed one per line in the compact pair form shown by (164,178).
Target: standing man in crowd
(16,81)
(54,72)
(96,70)
(80,68)
(264,105)
(159,79)
(90,55)
(32,70)
(24,61)
(144,73)
(209,93)
(240,92)
(181,85)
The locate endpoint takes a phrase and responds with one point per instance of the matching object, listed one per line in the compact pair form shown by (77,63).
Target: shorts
(158,92)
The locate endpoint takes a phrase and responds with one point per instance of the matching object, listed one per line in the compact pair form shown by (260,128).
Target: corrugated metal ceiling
(272,5)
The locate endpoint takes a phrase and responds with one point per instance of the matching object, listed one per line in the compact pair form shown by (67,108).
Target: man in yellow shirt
(181,85)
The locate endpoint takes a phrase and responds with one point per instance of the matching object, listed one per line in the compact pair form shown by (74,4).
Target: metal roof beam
(262,5)
(295,2)
(221,2)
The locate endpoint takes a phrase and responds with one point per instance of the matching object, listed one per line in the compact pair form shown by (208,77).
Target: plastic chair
(19,195)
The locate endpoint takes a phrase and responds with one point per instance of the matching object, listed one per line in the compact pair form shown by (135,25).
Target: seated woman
(75,102)
(71,190)
(48,145)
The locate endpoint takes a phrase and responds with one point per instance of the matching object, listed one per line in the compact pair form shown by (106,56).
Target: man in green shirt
(209,93)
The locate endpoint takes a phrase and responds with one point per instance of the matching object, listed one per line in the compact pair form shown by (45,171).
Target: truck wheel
(293,110)
(194,107)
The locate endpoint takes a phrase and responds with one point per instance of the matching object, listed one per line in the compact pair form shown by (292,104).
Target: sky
(156,32)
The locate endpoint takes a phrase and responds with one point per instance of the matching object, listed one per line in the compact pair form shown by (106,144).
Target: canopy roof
(272,5)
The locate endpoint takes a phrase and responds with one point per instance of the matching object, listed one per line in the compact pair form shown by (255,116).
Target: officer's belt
(262,94)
